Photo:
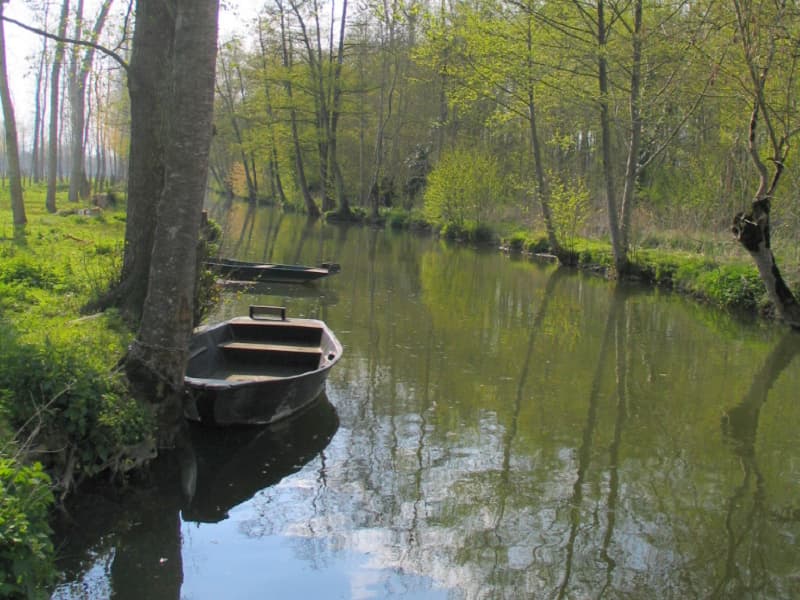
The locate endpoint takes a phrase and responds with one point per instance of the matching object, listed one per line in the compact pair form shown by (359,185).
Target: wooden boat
(258,369)
(240,270)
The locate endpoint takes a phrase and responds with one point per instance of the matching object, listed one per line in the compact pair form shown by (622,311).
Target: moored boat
(257,369)
(240,270)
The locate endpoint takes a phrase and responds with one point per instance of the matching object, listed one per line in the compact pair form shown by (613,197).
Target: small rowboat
(240,270)
(257,369)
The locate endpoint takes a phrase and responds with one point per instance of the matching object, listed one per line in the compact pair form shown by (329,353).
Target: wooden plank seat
(270,347)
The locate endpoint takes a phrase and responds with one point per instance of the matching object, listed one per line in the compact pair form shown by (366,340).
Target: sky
(21,44)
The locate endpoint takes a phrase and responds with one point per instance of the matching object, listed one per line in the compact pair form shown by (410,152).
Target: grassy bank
(64,411)
(709,269)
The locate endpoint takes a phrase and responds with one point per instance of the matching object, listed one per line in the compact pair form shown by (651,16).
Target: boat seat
(270,347)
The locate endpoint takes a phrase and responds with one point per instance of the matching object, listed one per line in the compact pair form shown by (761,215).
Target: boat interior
(258,349)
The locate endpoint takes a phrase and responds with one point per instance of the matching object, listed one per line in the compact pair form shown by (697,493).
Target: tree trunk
(149,70)
(302,182)
(753,232)
(336,105)
(55,83)
(12,150)
(37,116)
(542,189)
(632,165)
(620,254)
(79,73)
(227,96)
(157,360)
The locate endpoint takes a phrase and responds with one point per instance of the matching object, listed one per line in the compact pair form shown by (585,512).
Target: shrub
(466,186)
(26,552)
(570,207)
(28,272)
(61,390)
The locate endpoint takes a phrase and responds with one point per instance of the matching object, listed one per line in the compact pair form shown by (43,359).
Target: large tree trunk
(12,150)
(149,70)
(157,359)
(55,83)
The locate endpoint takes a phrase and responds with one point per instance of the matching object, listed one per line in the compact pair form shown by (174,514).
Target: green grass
(62,403)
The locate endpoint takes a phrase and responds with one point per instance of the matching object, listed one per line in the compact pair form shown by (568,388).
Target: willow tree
(770,44)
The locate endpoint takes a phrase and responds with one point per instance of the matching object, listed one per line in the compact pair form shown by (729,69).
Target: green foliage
(732,286)
(25,271)
(26,552)
(400,218)
(465,186)
(58,386)
(570,209)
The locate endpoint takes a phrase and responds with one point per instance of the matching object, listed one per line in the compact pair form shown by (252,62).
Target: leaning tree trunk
(753,229)
(753,232)
(157,359)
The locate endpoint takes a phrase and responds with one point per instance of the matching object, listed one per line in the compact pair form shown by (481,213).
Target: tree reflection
(138,534)
(504,489)
(585,450)
(746,568)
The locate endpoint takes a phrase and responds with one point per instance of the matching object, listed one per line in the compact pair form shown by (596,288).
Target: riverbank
(65,414)
(712,271)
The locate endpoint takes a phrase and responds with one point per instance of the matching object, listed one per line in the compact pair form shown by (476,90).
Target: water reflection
(136,542)
(226,466)
(747,518)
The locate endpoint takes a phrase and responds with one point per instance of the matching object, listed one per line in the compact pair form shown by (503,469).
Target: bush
(465,186)
(28,272)
(26,552)
(570,207)
(61,390)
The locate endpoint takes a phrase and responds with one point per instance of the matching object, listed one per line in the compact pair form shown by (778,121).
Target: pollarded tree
(768,34)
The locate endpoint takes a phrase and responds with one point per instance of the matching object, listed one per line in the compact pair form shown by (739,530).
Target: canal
(497,428)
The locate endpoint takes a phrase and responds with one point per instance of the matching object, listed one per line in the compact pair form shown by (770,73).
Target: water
(497,428)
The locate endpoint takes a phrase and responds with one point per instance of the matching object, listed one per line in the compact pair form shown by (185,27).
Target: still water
(497,428)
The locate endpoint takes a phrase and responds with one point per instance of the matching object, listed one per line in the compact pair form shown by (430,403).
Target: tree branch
(110,53)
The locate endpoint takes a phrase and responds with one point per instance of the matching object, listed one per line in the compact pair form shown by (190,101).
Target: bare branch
(110,53)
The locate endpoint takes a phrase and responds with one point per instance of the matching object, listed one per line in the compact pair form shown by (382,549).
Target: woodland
(640,123)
